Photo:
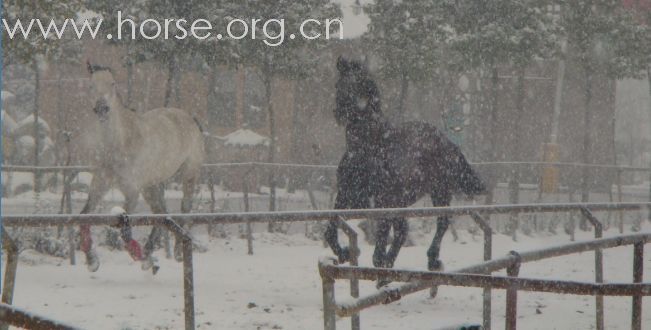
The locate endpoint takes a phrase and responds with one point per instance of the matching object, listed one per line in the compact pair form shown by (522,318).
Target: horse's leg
(383,227)
(433,261)
(164,234)
(400,232)
(331,234)
(131,195)
(189,184)
(98,188)
(443,222)
(152,195)
(188,192)
(352,193)
(381,242)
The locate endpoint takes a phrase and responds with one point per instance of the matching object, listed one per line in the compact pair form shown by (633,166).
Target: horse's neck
(123,126)
(367,135)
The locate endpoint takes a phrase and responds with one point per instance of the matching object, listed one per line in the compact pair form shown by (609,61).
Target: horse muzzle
(102,110)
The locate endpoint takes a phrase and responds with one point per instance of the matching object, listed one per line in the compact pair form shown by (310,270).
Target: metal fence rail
(248,169)
(10,315)
(474,277)
(88,168)
(174,222)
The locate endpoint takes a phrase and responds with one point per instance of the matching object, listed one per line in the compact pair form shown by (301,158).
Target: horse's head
(358,97)
(103,89)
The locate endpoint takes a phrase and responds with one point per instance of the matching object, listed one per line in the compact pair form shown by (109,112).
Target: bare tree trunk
(517,152)
(648,75)
(130,78)
(37,140)
(404,90)
(267,77)
(492,176)
(587,142)
(172,81)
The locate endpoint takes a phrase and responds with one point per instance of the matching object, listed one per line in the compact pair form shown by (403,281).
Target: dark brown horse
(388,166)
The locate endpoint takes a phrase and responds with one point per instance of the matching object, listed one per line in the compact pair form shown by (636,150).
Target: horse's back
(174,136)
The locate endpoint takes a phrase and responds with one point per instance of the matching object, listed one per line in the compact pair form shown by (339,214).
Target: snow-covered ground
(279,288)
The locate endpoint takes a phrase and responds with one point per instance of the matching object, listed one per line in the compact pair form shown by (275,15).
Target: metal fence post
(488,255)
(512,293)
(247,208)
(329,317)
(10,271)
(188,272)
(638,268)
(22,319)
(598,266)
(353,247)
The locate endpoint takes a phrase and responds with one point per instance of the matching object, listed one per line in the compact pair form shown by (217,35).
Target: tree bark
(404,90)
(492,173)
(130,78)
(648,75)
(37,142)
(587,142)
(172,81)
(517,149)
(267,76)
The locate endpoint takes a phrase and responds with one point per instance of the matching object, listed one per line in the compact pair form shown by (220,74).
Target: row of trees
(292,60)
(419,39)
(415,40)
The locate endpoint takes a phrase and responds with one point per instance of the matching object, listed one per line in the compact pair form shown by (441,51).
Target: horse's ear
(342,64)
(89,67)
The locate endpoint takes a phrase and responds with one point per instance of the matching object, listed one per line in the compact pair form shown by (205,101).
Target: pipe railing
(288,169)
(37,220)
(475,276)
(179,220)
(10,315)
(167,222)
(87,168)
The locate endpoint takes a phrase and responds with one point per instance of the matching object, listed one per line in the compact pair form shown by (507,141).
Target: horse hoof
(381,283)
(178,254)
(344,255)
(92,261)
(149,263)
(199,248)
(435,266)
(433,292)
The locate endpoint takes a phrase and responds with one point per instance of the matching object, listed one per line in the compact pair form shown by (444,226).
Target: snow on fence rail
(84,168)
(479,276)
(174,222)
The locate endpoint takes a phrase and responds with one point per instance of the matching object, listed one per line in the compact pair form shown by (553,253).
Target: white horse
(138,153)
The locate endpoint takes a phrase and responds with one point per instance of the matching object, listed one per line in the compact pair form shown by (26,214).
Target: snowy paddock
(279,288)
